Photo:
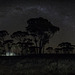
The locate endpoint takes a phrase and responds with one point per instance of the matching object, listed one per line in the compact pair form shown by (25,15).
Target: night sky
(15,13)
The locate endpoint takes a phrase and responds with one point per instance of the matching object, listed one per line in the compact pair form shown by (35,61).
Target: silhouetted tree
(29,43)
(49,49)
(22,46)
(34,36)
(66,47)
(33,49)
(57,50)
(41,27)
(45,40)
(8,44)
(25,46)
(1,49)
(19,35)
(3,34)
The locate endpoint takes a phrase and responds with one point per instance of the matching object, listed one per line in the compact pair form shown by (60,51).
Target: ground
(38,65)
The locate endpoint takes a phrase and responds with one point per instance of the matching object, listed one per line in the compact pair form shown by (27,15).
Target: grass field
(38,65)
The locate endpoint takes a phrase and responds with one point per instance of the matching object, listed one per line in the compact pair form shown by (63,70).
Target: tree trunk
(3,46)
(36,48)
(9,50)
(36,45)
(21,47)
(40,49)
(43,50)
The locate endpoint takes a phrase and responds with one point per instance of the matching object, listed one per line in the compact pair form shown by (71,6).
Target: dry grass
(36,66)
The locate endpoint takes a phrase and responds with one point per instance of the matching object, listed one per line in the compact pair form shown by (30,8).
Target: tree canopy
(41,28)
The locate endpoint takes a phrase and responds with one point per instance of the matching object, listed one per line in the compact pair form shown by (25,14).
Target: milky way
(14,16)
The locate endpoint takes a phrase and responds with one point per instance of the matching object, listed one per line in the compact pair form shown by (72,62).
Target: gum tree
(66,47)
(3,34)
(43,31)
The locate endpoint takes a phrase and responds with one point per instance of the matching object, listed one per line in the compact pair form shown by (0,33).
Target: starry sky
(15,13)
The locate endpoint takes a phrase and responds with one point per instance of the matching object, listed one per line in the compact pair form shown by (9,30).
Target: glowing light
(9,54)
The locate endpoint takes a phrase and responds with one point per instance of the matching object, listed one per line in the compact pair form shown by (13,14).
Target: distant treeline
(33,39)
